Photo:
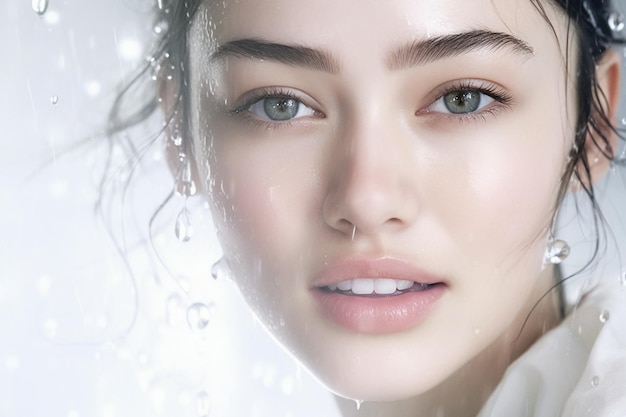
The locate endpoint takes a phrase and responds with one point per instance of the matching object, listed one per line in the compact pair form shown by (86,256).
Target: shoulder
(577,369)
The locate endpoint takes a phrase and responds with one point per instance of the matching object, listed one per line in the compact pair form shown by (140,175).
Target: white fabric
(576,370)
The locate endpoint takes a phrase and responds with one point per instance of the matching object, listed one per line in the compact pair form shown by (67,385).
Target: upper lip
(383,267)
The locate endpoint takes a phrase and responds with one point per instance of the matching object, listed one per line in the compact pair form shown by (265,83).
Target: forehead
(368,25)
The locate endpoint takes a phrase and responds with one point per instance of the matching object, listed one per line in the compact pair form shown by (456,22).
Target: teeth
(364,286)
(403,284)
(384,286)
(345,285)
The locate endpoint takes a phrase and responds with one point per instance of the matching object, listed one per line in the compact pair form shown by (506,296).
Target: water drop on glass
(198,316)
(203,404)
(174,309)
(54,100)
(40,6)
(595,381)
(616,22)
(220,269)
(182,228)
(604,316)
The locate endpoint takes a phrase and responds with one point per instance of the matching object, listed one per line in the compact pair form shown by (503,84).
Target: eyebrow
(414,54)
(292,55)
(424,51)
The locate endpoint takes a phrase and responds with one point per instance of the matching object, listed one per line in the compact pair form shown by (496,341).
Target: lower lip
(379,314)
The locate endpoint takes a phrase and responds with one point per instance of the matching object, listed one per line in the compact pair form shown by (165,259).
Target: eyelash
(503,99)
(499,95)
(242,110)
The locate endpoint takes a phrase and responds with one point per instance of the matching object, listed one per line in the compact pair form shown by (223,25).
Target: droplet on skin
(198,316)
(616,22)
(54,100)
(203,404)
(604,316)
(40,6)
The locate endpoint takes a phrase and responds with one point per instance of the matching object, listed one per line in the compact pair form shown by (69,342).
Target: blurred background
(110,315)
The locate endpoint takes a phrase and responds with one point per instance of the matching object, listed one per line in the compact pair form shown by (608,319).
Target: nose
(373,187)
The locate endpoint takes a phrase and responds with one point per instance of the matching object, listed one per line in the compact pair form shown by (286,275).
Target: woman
(384,177)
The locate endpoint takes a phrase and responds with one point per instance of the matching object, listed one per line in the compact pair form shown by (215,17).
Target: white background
(86,331)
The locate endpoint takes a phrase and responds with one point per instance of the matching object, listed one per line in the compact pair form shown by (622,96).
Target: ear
(176,133)
(608,81)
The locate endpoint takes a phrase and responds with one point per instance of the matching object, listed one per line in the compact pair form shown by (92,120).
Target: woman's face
(382,174)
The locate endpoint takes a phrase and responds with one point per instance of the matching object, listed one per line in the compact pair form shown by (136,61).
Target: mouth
(376,287)
(383,295)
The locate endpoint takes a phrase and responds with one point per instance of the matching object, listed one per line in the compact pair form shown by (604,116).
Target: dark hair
(589,19)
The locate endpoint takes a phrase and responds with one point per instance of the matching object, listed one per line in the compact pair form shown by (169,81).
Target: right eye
(280,108)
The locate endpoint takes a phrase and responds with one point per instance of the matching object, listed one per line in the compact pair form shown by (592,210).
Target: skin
(468,198)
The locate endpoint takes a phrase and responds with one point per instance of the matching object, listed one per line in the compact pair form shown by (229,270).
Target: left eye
(461,102)
(280,109)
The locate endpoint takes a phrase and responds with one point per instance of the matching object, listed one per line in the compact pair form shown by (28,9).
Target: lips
(382,295)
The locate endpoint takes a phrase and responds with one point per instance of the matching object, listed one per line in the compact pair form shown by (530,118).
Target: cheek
(501,193)
(266,204)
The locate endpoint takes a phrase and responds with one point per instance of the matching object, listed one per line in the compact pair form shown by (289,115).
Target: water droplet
(198,316)
(203,404)
(557,251)
(160,27)
(616,22)
(174,309)
(54,100)
(178,140)
(359,403)
(12,363)
(220,269)
(160,4)
(40,6)
(595,381)
(621,158)
(623,279)
(604,316)
(186,188)
(182,228)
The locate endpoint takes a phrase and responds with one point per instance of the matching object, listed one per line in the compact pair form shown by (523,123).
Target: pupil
(281,108)
(458,102)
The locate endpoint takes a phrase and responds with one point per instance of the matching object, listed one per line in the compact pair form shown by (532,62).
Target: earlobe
(600,152)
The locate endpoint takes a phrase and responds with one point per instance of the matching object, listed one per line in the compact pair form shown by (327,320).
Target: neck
(464,393)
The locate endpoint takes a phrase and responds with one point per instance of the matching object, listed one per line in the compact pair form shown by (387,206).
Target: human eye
(274,106)
(468,100)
